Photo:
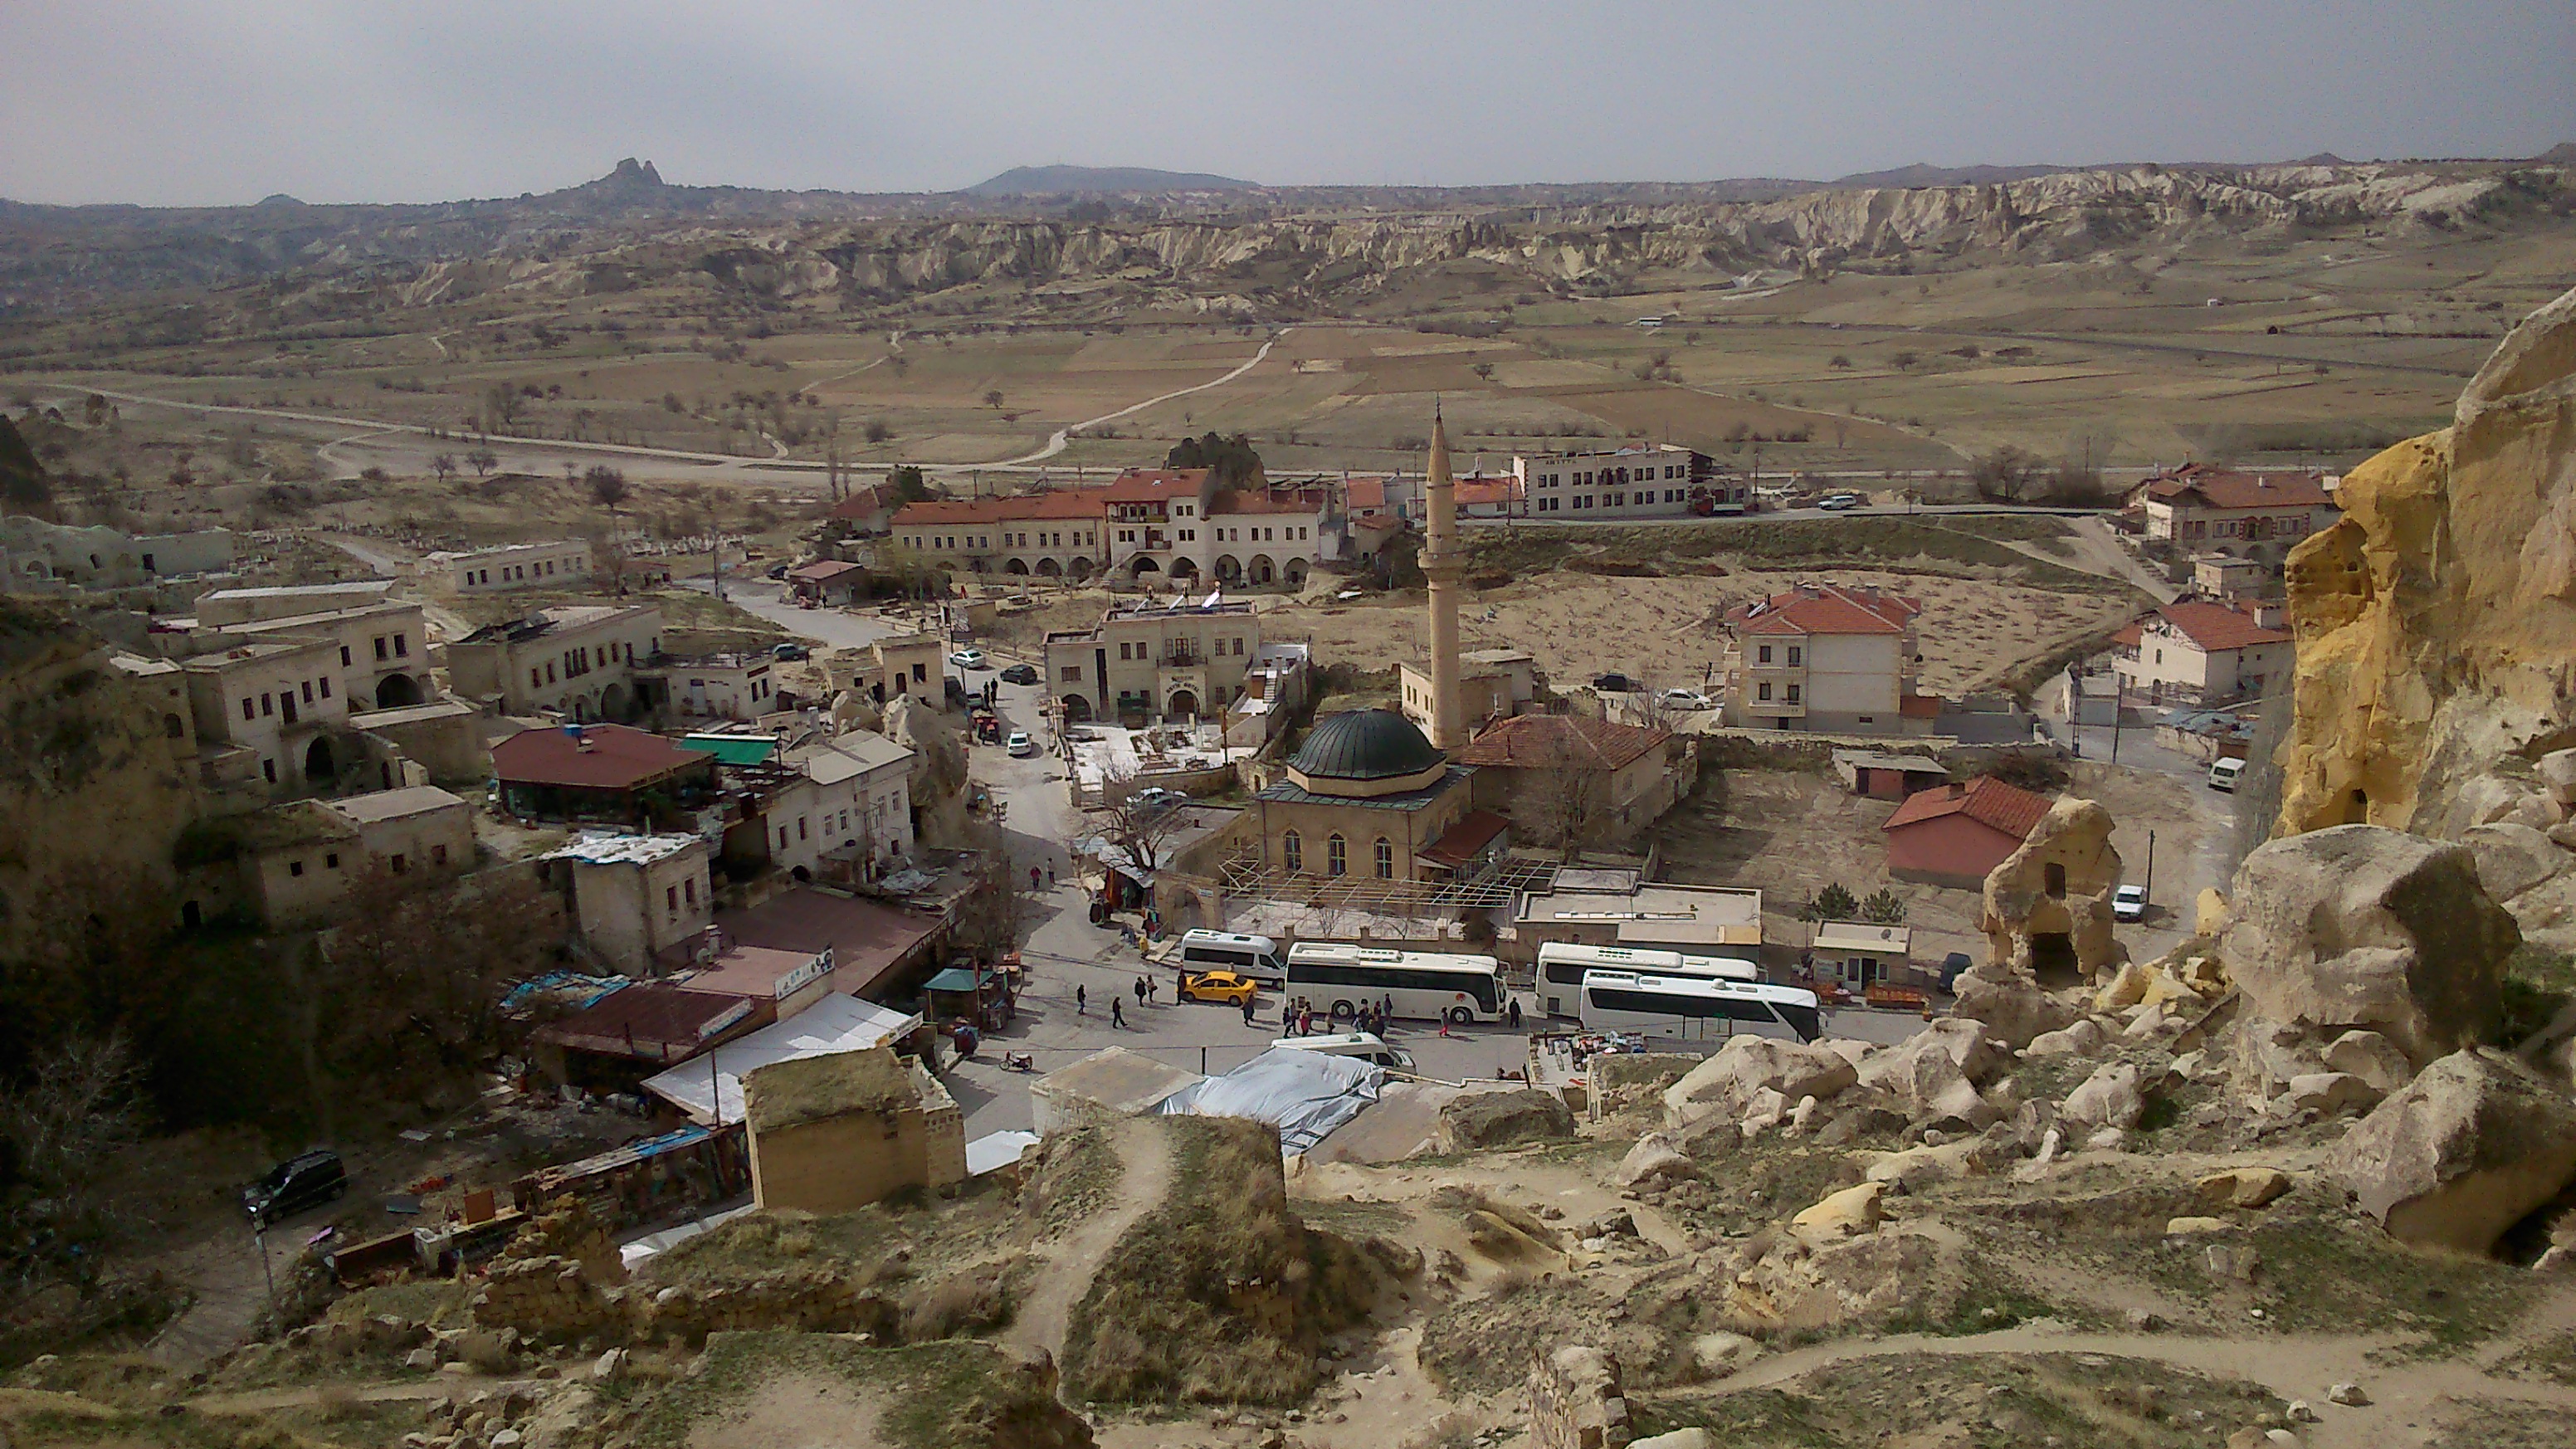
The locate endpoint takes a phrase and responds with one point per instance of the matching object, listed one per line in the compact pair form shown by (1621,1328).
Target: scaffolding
(1244,876)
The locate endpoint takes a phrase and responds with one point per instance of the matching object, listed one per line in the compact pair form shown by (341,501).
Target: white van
(2223,775)
(1365,1045)
(1255,956)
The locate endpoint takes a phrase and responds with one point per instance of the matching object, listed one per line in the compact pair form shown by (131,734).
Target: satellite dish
(1210,601)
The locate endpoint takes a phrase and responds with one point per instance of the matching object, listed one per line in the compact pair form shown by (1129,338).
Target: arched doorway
(614,702)
(319,767)
(1229,569)
(1262,571)
(1049,569)
(1016,566)
(1181,702)
(580,712)
(1296,573)
(1077,710)
(1079,569)
(1183,569)
(397,691)
(1144,565)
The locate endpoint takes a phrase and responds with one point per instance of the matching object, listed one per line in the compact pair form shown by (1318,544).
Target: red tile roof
(1365,493)
(864,503)
(606,757)
(1239,501)
(1919,706)
(1986,800)
(1825,609)
(2227,489)
(1487,490)
(1052,504)
(1465,839)
(2211,628)
(823,571)
(1552,741)
(1149,485)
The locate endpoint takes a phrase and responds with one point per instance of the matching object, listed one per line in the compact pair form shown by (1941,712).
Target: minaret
(1442,562)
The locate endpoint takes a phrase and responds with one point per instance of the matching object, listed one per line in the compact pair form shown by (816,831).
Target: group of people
(1297,1016)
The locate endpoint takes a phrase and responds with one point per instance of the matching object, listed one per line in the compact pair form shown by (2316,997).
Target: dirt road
(1145,1155)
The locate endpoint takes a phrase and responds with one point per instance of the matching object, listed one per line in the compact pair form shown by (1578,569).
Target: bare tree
(444,465)
(610,559)
(993,398)
(997,909)
(482,461)
(1484,371)
(417,974)
(80,1104)
(1138,821)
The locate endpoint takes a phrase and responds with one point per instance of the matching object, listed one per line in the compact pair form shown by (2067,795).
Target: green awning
(733,749)
(956,978)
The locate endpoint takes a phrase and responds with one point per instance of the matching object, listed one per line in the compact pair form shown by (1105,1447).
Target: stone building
(2208,508)
(637,900)
(1636,481)
(1365,796)
(1566,781)
(2203,653)
(1153,658)
(580,662)
(37,557)
(831,1134)
(1492,684)
(2048,905)
(558,563)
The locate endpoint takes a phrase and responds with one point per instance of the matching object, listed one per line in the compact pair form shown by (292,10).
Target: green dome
(1365,744)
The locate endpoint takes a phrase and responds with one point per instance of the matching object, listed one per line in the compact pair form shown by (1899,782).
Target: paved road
(833,627)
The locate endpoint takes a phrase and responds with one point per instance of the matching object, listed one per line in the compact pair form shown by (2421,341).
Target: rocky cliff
(2436,621)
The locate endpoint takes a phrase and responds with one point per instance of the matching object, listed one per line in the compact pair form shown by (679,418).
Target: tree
(1906,358)
(607,486)
(908,484)
(80,1102)
(1883,907)
(1484,371)
(1833,903)
(1137,821)
(416,976)
(501,407)
(996,908)
(2006,474)
(482,461)
(608,556)
(1231,462)
(443,465)
(993,398)
(877,431)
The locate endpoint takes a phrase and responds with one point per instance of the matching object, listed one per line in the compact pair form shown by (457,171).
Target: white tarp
(1304,1094)
(997,1149)
(834,1024)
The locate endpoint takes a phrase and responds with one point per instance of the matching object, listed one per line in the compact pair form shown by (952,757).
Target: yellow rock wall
(2436,621)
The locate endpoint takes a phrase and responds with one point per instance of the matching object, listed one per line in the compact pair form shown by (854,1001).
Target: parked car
(1020,744)
(788,651)
(2129,903)
(1951,967)
(302,1182)
(1614,684)
(1154,800)
(778,571)
(1020,674)
(970,659)
(1837,502)
(1687,699)
(1232,988)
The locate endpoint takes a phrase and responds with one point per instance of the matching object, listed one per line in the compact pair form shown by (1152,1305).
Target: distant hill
(1097,180)
(1924,174)
(2562,154)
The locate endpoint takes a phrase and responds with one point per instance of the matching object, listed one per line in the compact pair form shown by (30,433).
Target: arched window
(1336,855)
(1385,859)
(1292,851)
(172,726)
(2054,877)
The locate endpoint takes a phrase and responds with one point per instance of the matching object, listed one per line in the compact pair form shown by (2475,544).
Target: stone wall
(1575,1401)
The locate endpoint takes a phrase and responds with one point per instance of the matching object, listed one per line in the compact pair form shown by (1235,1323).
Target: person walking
(1117,1017)
(1153,989)
(1050,877)
(1033,877)
(1079,1007)
(1512,1013)
(1140,991)
(1247,1011)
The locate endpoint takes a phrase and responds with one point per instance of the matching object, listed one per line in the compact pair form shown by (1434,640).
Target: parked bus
(1693,1009)
(1561,965)
(1425,985)
(1253,956)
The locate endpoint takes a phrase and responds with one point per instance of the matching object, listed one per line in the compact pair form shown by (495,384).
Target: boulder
(2557,771)
(1728,1083)
(2512,857)
(2476,1141)
(1655,1156)
(2244,1187)
(1692,1438)
(2011,1005)
(2498,800)
(2077,1040)
(2108,1098)
(1922,1166)
(563,1420)
(1851,1213)
(2209,913)
(2357,926)
(2371,1057)
(2195,1227)
(1499,1119)
(2331,1092)
(1931,1074)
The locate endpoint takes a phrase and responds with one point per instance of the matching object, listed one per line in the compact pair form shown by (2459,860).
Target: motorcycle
(1019,1062)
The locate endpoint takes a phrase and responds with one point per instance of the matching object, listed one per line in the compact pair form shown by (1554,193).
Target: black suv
(1020,674)
(294,1185)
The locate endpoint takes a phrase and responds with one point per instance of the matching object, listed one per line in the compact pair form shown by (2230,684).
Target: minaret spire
(1442,564)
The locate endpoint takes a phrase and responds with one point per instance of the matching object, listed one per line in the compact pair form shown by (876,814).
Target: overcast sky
(368,101)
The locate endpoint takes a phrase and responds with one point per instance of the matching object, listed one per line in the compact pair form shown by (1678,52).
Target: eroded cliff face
(2436,621)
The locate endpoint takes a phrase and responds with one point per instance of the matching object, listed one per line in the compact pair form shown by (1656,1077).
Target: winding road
(1057,443)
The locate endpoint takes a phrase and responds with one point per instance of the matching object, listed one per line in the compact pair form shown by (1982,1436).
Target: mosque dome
(1365,744)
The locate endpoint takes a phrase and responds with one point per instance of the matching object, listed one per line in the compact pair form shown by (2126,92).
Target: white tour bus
(1255,956)
(1365,1045)
(1425,985)
(1696,1009)
(1561,965)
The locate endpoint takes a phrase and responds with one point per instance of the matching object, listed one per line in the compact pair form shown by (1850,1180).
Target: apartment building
(1828,658)
(1637,481)
(1149,525)
(851,793)
(1150,658)
(1057,534)
(579,661)
(381,648)
(2203,653)
(2204,508)
(559,563)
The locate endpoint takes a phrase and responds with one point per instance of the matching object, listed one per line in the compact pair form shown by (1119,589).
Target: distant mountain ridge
(1101,181)
(1923,174)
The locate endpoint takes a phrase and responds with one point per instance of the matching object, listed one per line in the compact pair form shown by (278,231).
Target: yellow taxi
(1230,987)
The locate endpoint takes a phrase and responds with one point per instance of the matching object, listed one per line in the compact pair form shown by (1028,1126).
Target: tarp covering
(836,1023)
(1302,1093)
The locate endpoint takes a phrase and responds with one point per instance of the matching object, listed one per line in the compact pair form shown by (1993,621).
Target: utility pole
(2151,870)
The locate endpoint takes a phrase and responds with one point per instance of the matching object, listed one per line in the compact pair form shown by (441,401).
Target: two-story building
(562,563)
(1153,658)
(722,686)
(853,794)
(1568,782)
(2203,653)
(381,644)
(1149,525)
(638,901)
(1637,481)
(302,859)
(578,661)
(1057,534)
(267,711)
(2205,508)
(1829,658)
(1492,684)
